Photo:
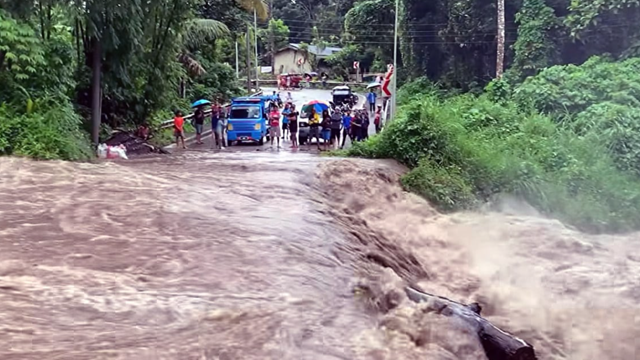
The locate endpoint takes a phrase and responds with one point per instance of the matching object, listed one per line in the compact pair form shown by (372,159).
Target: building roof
(329,50)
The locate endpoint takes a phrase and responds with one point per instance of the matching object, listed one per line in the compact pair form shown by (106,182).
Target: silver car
(303,128)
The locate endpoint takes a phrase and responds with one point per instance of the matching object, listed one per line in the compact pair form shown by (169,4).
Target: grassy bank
(49,129)
(464,149)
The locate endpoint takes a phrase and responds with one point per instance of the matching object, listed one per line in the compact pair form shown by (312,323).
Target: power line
(415,25)
(418,24)
(462,43)
(403,33)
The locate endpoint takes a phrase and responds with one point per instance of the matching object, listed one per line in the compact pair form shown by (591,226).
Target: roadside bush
(446,187)
(572,88)
(600,97)
(465,149)
(49,131)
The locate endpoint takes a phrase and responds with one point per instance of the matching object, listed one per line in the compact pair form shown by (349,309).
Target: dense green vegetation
(563,140)
(560,128)
(66,66)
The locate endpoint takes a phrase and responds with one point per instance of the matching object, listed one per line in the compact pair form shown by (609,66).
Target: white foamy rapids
(569,294)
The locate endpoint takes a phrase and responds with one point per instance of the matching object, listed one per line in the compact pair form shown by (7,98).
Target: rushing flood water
(257,255)
(185,258)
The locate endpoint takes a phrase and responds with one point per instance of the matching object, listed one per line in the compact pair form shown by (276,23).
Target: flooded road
(193,257)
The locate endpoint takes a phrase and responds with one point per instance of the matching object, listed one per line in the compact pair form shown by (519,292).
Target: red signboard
(386,81)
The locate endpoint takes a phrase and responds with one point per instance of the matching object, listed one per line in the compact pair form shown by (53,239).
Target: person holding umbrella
(371,99)
(198,117)
(314,108)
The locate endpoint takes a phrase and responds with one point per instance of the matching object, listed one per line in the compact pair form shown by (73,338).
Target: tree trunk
(248,43)
(500,52)
(497,344)
(96,103)
(272,40)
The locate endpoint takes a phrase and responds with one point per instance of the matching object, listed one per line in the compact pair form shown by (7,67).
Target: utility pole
(395,63)
(500,50)
(255,33)
(237,62)
(248,46)
(272,40)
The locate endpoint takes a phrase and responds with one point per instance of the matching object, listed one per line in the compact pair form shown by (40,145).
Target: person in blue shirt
(285,120)
(346,128)
(371,99)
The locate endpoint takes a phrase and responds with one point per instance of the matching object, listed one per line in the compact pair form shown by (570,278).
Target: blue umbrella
(200,103)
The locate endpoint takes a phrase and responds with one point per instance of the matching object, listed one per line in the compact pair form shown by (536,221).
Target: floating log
(497,344)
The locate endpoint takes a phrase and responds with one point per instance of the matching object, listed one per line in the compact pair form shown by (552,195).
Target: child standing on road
(178,128)
(285,120)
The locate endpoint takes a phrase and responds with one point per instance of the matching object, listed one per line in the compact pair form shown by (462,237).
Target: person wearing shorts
(275,133)
(285,119)
(199,124)
(178,129)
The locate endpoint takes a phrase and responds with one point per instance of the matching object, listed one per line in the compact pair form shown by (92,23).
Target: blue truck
(247,119)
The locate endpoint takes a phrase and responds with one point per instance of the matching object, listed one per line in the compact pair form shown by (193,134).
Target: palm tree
(259,6)
(197,33)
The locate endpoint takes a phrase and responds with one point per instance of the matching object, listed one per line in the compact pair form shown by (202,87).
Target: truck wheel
(302,140)
(261,142)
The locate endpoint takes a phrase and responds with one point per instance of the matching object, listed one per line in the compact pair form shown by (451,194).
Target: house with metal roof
(291,59)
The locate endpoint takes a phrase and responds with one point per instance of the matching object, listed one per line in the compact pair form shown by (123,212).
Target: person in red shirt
(178,129)
(274,124)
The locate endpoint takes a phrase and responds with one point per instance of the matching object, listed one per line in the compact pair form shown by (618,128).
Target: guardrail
(386,116)
(169,123)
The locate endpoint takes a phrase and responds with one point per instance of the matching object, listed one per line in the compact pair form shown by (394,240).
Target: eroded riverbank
(572,295)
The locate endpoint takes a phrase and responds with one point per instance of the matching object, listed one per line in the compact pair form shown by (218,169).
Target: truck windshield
(245,112)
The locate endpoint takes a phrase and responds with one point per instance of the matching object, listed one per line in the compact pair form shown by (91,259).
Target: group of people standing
(289,124)
(198,121)
(341,124)
(333,127)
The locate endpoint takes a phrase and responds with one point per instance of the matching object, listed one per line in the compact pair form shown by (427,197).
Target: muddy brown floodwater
(243,255)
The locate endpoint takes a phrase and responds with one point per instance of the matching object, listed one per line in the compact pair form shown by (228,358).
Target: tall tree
(500,50)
